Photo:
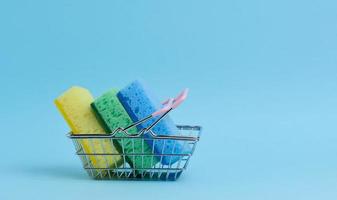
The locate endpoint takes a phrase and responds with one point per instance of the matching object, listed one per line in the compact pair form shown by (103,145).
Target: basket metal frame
(188,135)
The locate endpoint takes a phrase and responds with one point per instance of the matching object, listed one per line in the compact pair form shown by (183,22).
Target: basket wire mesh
(187,136)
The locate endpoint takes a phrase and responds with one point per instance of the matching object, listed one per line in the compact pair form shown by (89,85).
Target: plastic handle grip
(172,103)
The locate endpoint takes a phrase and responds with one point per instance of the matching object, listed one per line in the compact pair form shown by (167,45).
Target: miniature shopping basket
(187,136)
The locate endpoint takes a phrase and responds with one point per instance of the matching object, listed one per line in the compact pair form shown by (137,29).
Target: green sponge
(112,115)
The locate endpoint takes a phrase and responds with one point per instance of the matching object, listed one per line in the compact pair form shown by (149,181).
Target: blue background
(263,80)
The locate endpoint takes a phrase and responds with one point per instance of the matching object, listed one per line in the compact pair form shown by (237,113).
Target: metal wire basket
(187,136)
(164,163)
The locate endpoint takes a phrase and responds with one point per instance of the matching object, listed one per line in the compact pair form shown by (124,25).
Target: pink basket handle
(172,103)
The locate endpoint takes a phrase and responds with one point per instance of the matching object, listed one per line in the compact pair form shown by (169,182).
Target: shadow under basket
(91,147)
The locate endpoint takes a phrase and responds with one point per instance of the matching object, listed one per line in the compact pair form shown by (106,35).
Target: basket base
(103,174)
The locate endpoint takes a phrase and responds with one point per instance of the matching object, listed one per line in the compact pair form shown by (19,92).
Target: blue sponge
(139,103)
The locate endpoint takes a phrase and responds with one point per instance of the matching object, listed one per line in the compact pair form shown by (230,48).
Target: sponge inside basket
(74,105)
(139,103)
(112,115)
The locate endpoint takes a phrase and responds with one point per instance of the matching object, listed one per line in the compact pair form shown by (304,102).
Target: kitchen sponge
(112,115)
(74,105)
(139,103)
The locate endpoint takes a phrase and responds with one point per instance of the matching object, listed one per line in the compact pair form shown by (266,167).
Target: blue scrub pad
(139,103)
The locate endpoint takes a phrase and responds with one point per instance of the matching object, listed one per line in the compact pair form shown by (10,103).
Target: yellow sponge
(74,105)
